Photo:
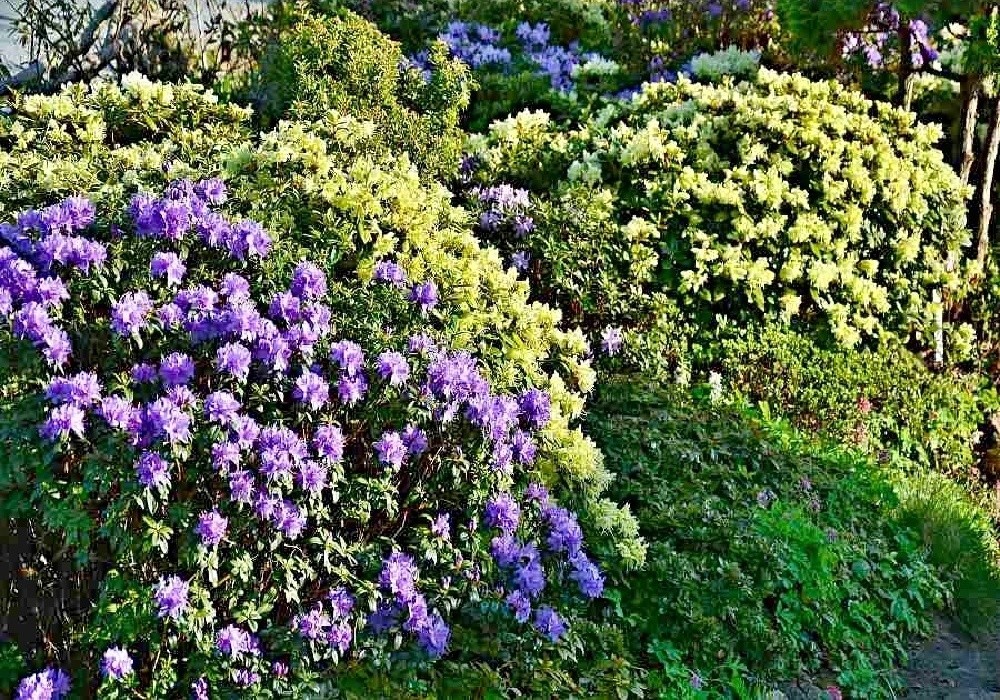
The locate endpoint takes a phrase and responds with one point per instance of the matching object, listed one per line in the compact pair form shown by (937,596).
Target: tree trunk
(904,89)
(986,191)
(972,89)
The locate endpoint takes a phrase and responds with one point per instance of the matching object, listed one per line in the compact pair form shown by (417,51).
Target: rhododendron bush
(281,402)
(778,197)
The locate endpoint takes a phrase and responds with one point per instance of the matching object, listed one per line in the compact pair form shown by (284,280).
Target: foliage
(961,542)
(666,34)
(711,67)
(885,401)
(345,64)
(320,194)
(779,198)
(768,551)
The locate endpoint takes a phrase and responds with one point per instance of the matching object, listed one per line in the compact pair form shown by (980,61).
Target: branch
(65,70)
(943,73)
(86,40)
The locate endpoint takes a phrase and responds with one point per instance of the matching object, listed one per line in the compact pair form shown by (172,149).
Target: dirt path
(952,666)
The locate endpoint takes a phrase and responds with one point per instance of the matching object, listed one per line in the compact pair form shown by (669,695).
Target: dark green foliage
(883,400)
(345,64)
(767,551)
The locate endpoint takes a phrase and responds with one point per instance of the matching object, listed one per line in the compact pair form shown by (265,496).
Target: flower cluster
(481,46)
(557,63)
(522,562)
(50,684)
(262,391)
(476,44)
(884,27)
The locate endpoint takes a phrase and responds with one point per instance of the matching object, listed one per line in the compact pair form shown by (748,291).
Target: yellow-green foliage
(345,64)
(780,197)
(316,189)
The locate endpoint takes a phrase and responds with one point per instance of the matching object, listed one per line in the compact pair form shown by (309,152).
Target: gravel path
(952,666)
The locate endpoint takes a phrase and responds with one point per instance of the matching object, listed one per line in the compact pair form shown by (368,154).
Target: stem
(972,89)
(986,192)
(904,98)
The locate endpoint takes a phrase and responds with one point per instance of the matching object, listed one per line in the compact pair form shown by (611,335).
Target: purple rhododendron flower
(116,411)
(83,389)
(520,605)
(328,441)
(565,535)
(311,390)
(199,689)
(536,407)
(312,477)
(128,314)
(144,373)
(241,486)
(549,623)
(502,512)
(308,281)
(391,449)
(211,527)
(415,440)
(50,684)
(339,636)
(116,663)
(225,455)
(341,602)
(398,576)
(168,265)
(168,419)
(352,389)
(422,344)
(390,272)
(393,367)
(538,493)
(313,624)
(152,471)
(441,526)
(587,576)
(425,294)
(434,636)
(235,287)
(349,357)
(221,407)
(171,597)
(233,359)
(212,190)
(176,369)
(234,642)
(611,341)
(64,421)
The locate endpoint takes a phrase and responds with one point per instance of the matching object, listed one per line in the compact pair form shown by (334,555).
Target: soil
(953,666)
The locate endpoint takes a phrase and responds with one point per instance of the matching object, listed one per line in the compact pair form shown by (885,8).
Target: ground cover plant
(769,552)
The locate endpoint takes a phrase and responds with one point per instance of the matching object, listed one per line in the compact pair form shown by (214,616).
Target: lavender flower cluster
(476,44)
(506,206)
(482,46)
(231,346)
(884,26)
(555,62)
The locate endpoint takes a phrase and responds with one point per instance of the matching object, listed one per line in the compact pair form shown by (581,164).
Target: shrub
(768,552)
(711,67)
(779,198)
(99,488)
(884,401)
(959,536)
(345,64)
